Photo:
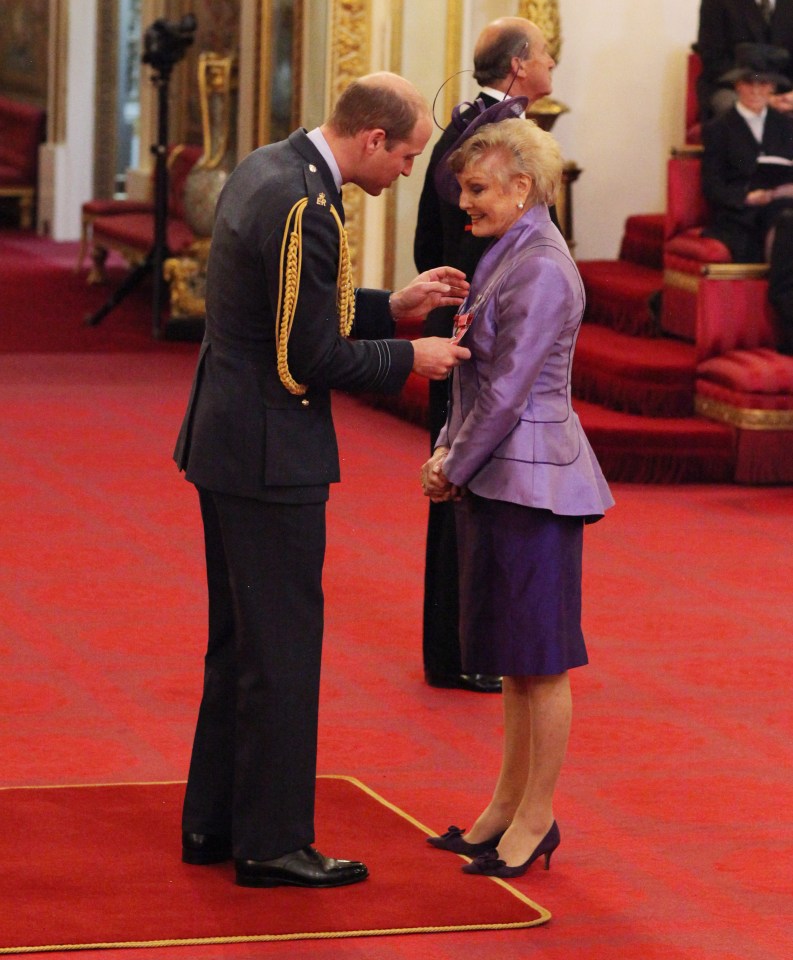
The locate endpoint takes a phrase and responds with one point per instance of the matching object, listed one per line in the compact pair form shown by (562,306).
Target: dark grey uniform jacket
(244,433)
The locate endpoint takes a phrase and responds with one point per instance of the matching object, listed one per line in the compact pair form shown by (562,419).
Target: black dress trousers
(441,638)
(253,767)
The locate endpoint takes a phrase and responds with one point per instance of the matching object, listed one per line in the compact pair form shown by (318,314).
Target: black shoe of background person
(303,868)
(475,682)
(202,849)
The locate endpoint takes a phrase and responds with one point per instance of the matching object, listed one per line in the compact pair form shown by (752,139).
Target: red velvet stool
(643,240)
(618,292)
(752,391)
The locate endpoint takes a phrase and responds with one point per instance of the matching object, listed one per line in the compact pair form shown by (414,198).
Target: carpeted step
(643,239)
(650,376)
(619,293)
(638,449)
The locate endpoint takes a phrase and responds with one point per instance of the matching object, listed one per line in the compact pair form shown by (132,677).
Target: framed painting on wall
(24,49)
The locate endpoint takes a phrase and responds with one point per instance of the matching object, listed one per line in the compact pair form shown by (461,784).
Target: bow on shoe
(487,862)
(452,832)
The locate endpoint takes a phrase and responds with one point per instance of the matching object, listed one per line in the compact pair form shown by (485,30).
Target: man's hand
(782,102)
(435,357)
(440,287)
(759,198)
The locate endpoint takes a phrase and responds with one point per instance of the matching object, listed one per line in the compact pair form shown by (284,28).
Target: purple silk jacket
(511,426)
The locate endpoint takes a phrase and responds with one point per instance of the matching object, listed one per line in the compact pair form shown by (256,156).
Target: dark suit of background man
(752,219)
(510,54)
(723,24)
(258,442)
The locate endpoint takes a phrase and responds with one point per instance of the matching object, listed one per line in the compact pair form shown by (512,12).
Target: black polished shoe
(303,868)
(201,849)
(475,682)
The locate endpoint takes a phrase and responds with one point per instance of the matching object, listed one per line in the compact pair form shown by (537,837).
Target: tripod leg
(159,291)
(132,279)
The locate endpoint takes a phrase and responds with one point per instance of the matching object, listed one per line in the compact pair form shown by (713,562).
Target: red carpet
(44,302)
(98,867)
(674,803)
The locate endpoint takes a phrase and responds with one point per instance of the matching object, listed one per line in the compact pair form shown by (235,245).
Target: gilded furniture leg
(25,212)
(83,244)
(97,273)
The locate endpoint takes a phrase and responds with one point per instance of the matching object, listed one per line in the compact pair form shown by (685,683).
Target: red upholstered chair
(693,124)
(752,391)
(744,382)
(128,225)
(722,307)
(22,130)
(703,288)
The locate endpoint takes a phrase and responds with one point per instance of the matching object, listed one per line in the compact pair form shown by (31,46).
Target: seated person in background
(747,178)
(723,24)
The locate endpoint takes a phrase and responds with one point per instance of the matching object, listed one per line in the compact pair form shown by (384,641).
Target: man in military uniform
(258,442)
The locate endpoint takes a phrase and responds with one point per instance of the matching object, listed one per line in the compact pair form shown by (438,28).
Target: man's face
(754,94)
(536,81)
(384,166)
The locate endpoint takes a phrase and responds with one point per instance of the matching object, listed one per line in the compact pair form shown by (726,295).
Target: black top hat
(761,62)
(468,118)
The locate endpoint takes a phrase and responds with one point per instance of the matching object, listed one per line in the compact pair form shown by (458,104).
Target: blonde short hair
(526,148)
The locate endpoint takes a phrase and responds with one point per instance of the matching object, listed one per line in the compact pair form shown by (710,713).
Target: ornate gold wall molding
(454,39)
(545,13)
(395,64)
(349,59)
(58,87)
(105,98)
(279,69)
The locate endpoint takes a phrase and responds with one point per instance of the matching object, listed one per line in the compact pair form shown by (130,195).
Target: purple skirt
(520,588)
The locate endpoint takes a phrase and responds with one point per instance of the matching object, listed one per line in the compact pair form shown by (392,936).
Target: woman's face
(491,203)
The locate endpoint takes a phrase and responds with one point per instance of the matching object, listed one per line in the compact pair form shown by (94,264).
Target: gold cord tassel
(344,284)
(289,288)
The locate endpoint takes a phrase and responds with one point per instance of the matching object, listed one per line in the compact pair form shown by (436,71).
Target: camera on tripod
(164,43)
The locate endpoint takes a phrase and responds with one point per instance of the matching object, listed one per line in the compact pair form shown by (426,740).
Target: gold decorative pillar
(349,59)
(454,35)
(545,13)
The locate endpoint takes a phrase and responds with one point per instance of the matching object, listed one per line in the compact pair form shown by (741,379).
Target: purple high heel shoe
(490,865)
(453,841)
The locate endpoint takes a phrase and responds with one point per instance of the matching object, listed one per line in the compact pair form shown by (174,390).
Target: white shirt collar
(317,137)
(492,92)
(756,121)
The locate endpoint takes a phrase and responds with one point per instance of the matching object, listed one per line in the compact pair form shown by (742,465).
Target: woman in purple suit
(515,458)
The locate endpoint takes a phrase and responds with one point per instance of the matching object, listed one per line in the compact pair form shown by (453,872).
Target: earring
(520,205)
